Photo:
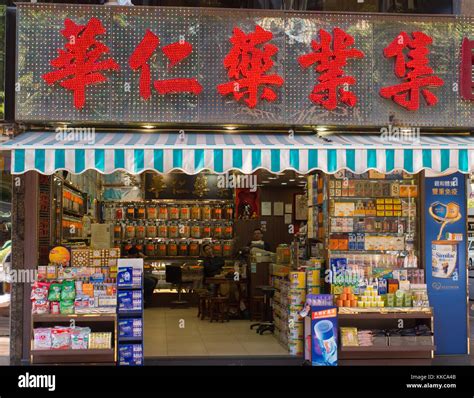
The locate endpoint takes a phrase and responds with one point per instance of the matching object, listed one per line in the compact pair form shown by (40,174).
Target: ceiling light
(321,129)
(148,126)
(301,176)
(265,182)
(230,127)
(272,178)
(284,183)
(291,179)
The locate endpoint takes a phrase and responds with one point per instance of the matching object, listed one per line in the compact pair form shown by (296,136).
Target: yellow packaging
(297,280)
(313,290)
(313,277)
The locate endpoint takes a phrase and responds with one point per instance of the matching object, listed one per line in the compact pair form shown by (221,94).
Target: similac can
(296,298)
(313,290)
(297,280)
(313,277)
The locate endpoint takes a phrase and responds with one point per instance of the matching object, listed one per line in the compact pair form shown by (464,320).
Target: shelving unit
(388,319)
(97,323)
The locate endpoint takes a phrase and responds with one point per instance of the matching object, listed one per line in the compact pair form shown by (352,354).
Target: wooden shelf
(73,356)
(71,213)
(381,348)
(76,317)
(386,315)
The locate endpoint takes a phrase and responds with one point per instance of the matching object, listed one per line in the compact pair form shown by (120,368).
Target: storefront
(375,220)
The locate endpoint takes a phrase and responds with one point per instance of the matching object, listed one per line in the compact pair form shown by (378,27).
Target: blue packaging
(130,327)
(125,276)
(130,354)
(130,300)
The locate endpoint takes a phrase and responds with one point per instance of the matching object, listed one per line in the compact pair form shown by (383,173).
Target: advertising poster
(324,336)
(445,253)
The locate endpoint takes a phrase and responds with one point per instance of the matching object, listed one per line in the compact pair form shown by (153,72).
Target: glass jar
(151,212)
(228,231)
(184,212)
(126,247)
(217,249)
(141,211)
(140,246)
(206,212)
(117,231)
(217,212)
(140,231)
(130,212)
(196,231)
(151,230)
(283,254)
(183,248)
(172,248)
(194,248)
(217,231)
(150,249)
(162,230)
(184,230)
(195,212)
(130,231)
(206,231)
(228,248)
(173,212)
(161,249)
(173,230)
(163,212)
(119,213)
(228,212)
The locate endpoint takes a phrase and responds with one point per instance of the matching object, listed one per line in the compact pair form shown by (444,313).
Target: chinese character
(78,66)
(329,63)
(435,191)
(416,72)
(175,52)
(436,183)
(447,191)
(441,191)
(248,63)
(454,191)
(466,83)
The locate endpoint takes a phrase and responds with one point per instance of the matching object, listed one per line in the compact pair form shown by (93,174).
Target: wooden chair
(218,309)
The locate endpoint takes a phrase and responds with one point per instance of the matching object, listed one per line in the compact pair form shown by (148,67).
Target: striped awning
(106,152)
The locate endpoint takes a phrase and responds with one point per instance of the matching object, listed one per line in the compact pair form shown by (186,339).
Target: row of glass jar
(173,230)
(142,211)
(174,248)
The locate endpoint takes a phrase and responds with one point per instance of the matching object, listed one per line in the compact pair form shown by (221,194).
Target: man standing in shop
(257,240)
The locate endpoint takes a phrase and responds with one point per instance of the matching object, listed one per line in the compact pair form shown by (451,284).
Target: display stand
(97,322)
(130,312)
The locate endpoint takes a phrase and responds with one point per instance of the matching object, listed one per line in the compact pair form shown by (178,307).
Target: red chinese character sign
(417,75)
(175,53)
(330,55)
(79,65)
(466,86)
(248,64)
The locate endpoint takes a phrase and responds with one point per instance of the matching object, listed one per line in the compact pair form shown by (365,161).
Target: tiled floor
(179,332)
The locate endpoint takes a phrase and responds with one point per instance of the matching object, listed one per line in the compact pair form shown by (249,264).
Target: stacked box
(80,257)
(130,354)
(313,281)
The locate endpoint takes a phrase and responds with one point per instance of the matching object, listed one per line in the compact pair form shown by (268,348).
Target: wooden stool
(218,307)
(256,308)
(203,305)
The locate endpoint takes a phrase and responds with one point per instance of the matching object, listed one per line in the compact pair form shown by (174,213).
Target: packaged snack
(80,338)
(39,291)
(42,339)
(40,306)
(68,291)
(54,307)
(54,292)
(60,338)
(67,307)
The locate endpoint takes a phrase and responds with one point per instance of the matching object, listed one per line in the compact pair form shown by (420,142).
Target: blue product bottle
(324,336)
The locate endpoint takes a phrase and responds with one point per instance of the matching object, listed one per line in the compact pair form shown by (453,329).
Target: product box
(80,257)
(130,327)
(130,300)
(297,280)
(130,354)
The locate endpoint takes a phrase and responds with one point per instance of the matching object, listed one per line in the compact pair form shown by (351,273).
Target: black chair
(174,275)
(267,320)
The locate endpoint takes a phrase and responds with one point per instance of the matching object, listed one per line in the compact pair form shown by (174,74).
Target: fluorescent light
(321,129)
(291,179)
(283,183)
(273,178)
(230,127)
(265,182)
(148,126)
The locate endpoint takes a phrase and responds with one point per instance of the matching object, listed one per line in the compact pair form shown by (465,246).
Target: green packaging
(66,307)
(54,292)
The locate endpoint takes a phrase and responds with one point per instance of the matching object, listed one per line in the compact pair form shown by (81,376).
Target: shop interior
(229,264)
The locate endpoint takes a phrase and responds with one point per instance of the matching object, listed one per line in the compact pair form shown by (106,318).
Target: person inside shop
(211,263)
(257,240)
(149,281)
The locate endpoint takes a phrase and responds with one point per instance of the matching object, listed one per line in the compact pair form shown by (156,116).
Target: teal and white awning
(106,152)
